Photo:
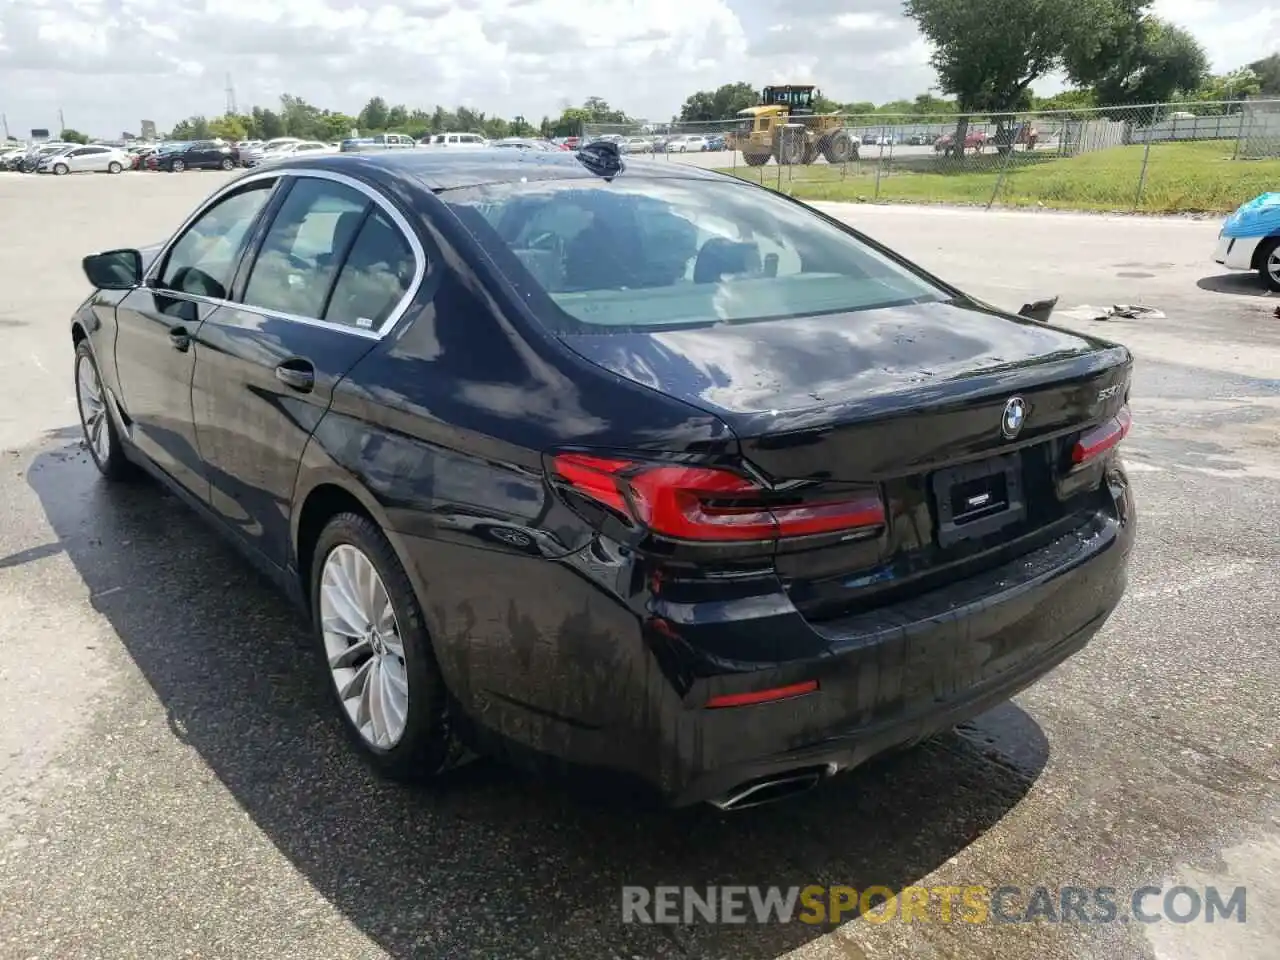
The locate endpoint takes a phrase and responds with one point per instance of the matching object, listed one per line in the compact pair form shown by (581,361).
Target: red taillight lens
(706,503)
(1097,441)
(763,696)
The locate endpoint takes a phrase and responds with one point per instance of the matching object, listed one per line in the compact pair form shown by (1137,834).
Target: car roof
(446,170)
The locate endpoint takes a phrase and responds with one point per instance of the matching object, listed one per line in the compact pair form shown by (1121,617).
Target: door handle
(298,374)
(179,339)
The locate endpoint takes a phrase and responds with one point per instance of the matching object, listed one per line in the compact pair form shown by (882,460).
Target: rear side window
(643,254)
(375,277)
(303,248)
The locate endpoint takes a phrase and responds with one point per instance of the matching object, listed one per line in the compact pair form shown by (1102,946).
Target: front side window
(646,254)
(304,247)
(204,258)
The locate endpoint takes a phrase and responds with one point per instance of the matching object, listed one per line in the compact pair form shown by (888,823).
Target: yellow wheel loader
(785,127)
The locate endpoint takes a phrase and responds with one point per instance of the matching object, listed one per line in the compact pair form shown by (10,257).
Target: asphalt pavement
(172,783)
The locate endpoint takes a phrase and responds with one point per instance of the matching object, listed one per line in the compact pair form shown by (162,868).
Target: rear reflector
(763,696)
(708,504)
(1097,441)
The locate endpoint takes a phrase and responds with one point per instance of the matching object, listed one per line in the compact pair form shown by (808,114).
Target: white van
(458,141)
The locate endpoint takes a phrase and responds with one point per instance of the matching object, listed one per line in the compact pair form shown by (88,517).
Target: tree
(1268,73)
(1239,84)
(192,128)
(374,115)
(927,105)
(989,52)
(722,103)
(228,128)
(1144,61)
(72,136)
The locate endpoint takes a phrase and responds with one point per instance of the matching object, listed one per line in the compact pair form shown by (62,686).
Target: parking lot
(172,785)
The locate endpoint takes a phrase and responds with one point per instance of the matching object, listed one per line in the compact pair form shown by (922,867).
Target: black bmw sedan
(633,467)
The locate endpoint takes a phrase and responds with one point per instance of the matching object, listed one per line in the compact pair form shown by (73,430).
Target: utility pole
(231,97)
(4,122)
(62,123)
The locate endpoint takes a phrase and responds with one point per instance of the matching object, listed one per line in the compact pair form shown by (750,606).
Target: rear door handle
(179,339)
(298,374)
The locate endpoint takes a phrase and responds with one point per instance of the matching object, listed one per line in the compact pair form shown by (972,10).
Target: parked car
(10,158)
(1250,239)
(197,155)
(455,141)
(253,155)
(974,140)
(381,141)
(90,158)
(301,148)
(526,143)
(636,145)
(30,161)
(715,142)
(1021,133)
(890,509)
(688,144)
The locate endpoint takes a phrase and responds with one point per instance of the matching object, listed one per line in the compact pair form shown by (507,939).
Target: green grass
(1181,178)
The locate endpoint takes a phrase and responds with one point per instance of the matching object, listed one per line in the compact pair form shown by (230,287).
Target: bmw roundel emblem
(1015,415)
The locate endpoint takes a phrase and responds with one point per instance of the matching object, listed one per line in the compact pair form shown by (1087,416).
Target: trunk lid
(909,399)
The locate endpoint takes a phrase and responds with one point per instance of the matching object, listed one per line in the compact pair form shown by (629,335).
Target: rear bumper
(563,670)
(902,674)
(1236,253)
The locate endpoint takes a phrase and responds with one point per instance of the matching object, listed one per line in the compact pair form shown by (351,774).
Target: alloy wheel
(1273,267)
(93,409)
(363,647)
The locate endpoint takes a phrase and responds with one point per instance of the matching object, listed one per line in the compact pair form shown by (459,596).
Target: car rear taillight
(1096,441)
(710,504)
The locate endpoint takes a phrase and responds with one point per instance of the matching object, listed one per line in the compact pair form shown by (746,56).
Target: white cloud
(109,63)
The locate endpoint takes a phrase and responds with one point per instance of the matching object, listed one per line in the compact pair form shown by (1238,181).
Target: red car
(974,141)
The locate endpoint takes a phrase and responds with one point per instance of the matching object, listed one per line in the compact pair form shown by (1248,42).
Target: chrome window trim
(277,173)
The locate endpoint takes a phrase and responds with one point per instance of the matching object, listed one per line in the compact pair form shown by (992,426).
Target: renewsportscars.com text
(940,904)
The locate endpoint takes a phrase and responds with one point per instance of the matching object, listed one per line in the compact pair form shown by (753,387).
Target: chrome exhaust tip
(771,789)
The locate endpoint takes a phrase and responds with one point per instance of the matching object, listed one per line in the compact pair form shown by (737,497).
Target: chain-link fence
(1157,158)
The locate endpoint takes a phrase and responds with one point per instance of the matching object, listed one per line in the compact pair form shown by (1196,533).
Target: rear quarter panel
(443,427)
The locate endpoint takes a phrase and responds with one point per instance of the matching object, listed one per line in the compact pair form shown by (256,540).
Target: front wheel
(177,166)
(1269,263)
(376,653)
(100,435)
(61,169)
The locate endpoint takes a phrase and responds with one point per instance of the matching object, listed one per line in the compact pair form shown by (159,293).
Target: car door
(157,324)
(327,277)
(91,160)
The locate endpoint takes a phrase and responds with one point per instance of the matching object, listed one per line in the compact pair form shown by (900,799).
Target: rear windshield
(599,256)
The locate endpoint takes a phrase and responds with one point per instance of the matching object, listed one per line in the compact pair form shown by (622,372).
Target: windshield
(594,256)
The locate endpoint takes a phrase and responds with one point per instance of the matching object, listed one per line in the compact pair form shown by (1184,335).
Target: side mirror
(114,269)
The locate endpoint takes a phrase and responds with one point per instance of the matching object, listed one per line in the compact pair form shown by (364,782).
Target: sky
(107,64)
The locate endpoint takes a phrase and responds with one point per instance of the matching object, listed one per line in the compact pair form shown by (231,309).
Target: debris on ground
(1039,309)
(1117,311)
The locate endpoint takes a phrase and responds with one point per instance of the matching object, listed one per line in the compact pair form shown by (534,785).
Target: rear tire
(114,167)
(425,746)
(228,164)
(1269,263)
